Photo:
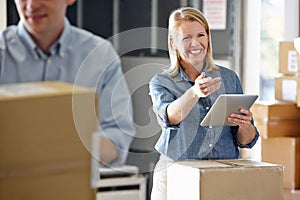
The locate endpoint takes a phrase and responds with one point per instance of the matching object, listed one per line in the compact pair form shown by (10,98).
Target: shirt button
(207,108)
(36,57)
(48,61)
(210,145)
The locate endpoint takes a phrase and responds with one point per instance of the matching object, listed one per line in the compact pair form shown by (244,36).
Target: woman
(183,94)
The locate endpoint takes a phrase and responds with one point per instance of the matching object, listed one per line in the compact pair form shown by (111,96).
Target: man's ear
(70,2)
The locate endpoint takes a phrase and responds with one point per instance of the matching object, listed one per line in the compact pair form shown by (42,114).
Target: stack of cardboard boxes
(278,121)
(287,83)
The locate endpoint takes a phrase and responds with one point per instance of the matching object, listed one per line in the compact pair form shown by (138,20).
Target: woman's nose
(194,42)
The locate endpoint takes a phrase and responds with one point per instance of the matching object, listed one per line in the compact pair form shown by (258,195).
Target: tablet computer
(224,106)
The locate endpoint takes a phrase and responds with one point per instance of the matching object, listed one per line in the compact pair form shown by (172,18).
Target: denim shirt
(80,58)
(189,140)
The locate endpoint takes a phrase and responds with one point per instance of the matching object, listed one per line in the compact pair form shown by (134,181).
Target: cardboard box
(45,139)
(286,88)
(289,62)
(284,151)
(224,179)
(276,118)
(275,110)
(278,128)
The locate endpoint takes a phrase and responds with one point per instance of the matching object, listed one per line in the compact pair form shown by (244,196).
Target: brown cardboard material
(276,118)
(44,151)
(278,128)
(284,151)
(289,62)
(286,88)
(275,110)
(60,186)
(224,179)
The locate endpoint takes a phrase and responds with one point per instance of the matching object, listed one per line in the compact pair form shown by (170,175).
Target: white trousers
(159,187)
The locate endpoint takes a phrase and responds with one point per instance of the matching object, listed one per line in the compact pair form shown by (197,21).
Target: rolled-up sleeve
(161,98)
(252,143)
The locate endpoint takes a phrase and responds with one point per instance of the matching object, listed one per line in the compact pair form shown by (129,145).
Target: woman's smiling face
(191,42)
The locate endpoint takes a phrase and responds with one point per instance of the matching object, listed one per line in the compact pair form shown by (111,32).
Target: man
(44,47)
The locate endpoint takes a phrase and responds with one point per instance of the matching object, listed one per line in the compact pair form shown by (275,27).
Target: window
(273,21)
(272,32)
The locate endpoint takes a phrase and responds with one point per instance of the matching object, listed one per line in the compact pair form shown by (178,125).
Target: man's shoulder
(7,34)
(88,37)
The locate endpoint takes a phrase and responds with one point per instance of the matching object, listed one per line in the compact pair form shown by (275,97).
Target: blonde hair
(175,20)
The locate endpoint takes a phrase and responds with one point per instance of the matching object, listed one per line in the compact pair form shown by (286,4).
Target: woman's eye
(201,35)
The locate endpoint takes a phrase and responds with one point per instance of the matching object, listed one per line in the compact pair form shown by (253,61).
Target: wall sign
(215,13)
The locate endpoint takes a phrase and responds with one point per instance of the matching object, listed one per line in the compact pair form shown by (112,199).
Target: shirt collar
(183,76)
(65,39)
(58,48)
(27,40)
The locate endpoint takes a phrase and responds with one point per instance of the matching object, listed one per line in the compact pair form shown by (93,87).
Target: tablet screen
(224,106)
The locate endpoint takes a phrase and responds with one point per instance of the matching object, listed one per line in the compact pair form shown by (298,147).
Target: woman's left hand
(246,131)
(243,119)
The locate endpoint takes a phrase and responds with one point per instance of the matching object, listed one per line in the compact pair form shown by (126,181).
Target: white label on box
(24,89)
(292,61)
(289,90)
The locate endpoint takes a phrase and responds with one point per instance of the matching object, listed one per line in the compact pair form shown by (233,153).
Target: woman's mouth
(196,51)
